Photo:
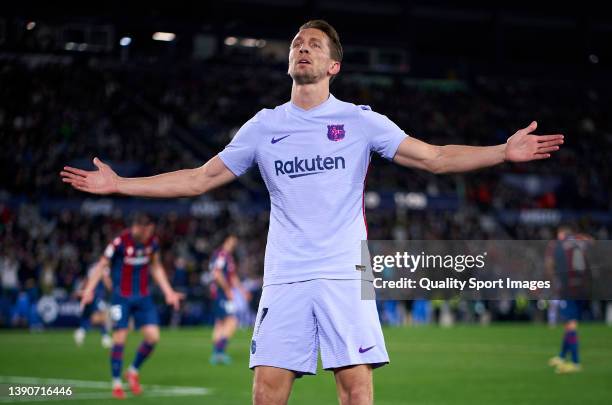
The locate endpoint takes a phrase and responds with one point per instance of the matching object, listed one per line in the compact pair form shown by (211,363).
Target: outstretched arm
(523,146)
(180,183)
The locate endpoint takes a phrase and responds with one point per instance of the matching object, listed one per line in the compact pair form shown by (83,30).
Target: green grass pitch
(500,364)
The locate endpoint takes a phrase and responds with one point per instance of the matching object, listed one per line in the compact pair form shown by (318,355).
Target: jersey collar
(314,109)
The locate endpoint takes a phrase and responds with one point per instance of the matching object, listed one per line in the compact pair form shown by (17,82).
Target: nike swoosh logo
(366,349)
(273,141)
(293,176)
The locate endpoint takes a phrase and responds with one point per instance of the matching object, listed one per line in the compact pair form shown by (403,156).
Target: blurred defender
(225,284)
(313,153)
(131,256)
(566,260)
(96,312)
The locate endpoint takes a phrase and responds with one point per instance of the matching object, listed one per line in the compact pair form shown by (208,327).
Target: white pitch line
(149,390)
(53,381)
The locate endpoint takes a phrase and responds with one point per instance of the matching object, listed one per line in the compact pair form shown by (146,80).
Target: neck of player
(307,96)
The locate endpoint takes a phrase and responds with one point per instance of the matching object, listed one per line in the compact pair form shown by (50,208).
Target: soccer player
(225,284)
(131,256)
(565,258)
(96,312)
(313,153)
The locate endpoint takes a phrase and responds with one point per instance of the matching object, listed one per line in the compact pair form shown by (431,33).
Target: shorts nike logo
(366,349)
(273,141)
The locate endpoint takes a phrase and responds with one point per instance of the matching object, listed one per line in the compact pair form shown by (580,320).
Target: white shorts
(294,320)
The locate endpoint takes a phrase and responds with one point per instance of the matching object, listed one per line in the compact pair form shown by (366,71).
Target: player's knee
(343,396)
(267,391)
(119,337)
(359,395)
(151,336)
(355,393)
(152,340)
(266,395)
(263,392)
(229,329)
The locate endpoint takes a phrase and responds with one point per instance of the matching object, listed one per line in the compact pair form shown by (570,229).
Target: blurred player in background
(566,261)
(131,256)
(96,312)
(313,153)
(225,284)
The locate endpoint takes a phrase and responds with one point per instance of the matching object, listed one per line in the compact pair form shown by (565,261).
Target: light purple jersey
(314,163)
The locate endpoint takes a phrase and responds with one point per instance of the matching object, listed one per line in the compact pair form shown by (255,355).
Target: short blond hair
(335,46)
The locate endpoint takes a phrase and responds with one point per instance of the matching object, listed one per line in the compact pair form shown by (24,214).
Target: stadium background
(78,82)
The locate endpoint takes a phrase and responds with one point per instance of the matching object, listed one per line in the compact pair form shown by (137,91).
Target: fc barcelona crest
(335,132)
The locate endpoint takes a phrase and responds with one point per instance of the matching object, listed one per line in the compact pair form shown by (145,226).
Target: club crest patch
(335,132)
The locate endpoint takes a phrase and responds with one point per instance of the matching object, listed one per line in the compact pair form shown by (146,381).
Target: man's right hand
(86,298)
(101,181)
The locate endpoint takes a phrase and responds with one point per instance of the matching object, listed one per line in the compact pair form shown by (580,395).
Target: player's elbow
(198,181)
(208,176)
(435,163)
(435,167)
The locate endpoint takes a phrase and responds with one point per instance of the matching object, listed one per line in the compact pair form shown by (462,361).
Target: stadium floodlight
(69,46)
(125,41)
(231,41)
(164,36)
(82,47)
(260,43)
(30,25)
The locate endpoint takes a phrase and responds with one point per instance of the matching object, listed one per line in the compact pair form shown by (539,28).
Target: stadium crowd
(58,112)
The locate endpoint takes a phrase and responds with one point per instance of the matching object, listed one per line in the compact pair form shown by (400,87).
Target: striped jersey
(130,264)
(223,261)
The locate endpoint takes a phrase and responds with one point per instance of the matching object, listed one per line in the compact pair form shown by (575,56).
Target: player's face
(143,232)
(231,243)
(137,232)
(149,230)
(309,57)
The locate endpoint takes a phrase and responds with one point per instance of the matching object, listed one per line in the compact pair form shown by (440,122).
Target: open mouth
(303,62)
